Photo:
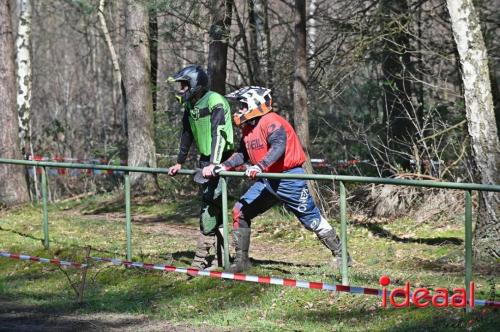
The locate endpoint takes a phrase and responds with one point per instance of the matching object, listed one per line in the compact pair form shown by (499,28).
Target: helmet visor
(242,106)
(183,87)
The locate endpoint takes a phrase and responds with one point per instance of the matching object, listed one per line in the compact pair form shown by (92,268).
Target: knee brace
(322,227)
(238,217)
(210,218)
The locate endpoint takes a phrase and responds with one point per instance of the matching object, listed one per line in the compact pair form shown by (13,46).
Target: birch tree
(23,60)
(139,106)
(13,188)
(117,73)
(481,122)
(312,33)
(24,82)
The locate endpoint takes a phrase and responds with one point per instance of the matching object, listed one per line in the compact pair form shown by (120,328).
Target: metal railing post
(467,187)
(468,245)
(128,218)
(343,233)
(45,212)
(224,222)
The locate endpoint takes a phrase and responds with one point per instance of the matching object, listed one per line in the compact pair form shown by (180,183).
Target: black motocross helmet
(192,79)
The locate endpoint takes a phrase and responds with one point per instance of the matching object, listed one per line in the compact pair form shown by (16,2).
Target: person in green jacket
(207,123)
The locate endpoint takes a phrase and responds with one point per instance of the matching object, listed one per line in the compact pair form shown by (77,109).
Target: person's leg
(255,201)
(210,218)
(204,245)
(211,206)
(296,197)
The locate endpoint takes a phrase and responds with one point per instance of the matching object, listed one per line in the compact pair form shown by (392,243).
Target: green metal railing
(342,179)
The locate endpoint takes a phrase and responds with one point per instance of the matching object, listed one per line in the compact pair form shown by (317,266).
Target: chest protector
(255,140)
(201,125)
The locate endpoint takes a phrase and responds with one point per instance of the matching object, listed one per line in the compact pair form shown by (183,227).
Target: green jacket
(208,123)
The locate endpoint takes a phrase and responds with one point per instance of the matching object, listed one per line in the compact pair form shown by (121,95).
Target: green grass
(165,232)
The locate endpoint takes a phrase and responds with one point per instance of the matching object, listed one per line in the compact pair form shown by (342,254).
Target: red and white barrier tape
(225,275)
(323,163)
(73,172)
(103,161)
(266,280)
(57,262)
(245,277)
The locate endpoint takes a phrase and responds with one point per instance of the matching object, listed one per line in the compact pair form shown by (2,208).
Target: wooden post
(83,278)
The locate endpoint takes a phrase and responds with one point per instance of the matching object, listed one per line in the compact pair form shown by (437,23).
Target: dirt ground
(22,318)
(19,318)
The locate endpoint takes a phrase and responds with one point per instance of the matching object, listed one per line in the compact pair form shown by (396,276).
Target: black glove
(218,168)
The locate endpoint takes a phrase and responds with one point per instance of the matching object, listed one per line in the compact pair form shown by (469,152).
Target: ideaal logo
(422,297)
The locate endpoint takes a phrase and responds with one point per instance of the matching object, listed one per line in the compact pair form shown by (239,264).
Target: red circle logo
(384,280)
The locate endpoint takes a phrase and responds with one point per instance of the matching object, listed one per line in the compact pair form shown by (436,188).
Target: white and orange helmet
(257,99)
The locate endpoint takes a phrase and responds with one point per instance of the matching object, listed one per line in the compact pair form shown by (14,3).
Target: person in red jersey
(269,143)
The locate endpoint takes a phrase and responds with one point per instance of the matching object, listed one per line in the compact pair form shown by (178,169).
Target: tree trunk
(114,57)
(219,36)
(395,64)
(301,116)
(13,188)
(153,42)
(248,78)
(312,33)
(481,122)
(256,26)
(300,109)
(139,106)
(269,63)
(495,90)
(23,60)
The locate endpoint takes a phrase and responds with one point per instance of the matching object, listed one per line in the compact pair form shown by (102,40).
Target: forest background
(377,84)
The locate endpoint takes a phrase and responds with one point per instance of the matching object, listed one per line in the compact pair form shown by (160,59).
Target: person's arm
(186,139)
(277,141)
(218,121)
(237,158)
